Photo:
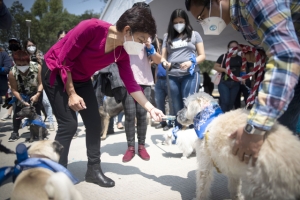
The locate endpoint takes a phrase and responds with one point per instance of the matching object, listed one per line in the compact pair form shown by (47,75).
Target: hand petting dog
(246,145)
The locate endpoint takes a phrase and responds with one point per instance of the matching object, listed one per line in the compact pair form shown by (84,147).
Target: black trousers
(66,117)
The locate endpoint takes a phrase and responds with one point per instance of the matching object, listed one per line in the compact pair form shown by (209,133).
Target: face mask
(179,27)
(132,47)
(23,68)
(14,47)
(213,25)
(31,49)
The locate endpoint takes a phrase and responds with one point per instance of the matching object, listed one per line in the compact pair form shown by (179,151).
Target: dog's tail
(60,187)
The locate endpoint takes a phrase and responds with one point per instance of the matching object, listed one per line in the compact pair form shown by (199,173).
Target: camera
(34,58)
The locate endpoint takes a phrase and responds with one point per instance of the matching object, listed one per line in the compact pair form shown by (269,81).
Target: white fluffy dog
(186,141)
(276,174)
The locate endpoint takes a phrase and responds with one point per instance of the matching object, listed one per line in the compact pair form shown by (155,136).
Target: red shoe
(143,152)
(129,154)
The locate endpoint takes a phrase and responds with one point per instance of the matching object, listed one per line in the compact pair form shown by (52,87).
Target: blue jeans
(47,107)
(161,92)
(120,116)
(228,91)
(181,87)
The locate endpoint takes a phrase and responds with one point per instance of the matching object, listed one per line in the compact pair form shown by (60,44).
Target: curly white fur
(276,174)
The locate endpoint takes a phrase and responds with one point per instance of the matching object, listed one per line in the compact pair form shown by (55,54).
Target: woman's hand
(25,103)
(35,98)
(76,103)
(185,65)
(156,114)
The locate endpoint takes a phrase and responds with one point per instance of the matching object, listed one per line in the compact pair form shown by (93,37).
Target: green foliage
(47,18)
(206,66)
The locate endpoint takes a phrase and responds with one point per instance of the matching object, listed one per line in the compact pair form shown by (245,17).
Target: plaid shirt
(273,25)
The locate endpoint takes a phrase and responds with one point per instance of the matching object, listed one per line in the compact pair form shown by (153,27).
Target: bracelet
(39,91)
(151,109)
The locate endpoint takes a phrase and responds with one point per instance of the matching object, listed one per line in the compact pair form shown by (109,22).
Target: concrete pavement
(165,177)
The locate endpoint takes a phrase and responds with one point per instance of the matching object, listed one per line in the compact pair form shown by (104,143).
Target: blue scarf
(23,163)
(203,118)
(174,134)
(38,122)
(24,97)
(194,62)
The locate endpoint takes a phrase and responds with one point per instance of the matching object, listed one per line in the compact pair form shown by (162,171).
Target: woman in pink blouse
(69,64)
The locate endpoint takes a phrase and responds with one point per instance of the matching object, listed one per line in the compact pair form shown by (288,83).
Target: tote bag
(217,76)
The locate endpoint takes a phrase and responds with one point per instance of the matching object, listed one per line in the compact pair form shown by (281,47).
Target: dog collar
(24,163)
(203,118)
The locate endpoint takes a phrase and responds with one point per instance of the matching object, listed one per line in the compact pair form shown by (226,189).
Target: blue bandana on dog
(38,122)
(203,118)
(23,163)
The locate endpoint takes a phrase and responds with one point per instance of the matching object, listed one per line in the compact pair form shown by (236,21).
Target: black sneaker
(13,137)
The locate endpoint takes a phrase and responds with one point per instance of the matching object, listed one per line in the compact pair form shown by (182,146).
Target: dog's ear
(58,148)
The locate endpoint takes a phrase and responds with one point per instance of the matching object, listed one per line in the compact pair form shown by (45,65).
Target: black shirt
(235,66)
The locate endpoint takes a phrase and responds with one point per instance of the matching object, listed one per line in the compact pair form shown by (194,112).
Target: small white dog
(184,139)
(276,174)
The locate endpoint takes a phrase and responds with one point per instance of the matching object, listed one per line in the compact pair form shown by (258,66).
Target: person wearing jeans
(182,50)
(48,110)
(227,87)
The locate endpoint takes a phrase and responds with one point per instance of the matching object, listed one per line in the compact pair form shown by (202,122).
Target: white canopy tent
(161,11)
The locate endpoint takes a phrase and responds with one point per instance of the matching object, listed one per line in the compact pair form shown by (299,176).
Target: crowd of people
(60,81)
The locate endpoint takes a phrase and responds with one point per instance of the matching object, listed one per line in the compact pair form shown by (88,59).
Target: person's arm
(7,63)
(218,65)
(36,97)
(14,88)
(282,70)
(5,16)
(164,53)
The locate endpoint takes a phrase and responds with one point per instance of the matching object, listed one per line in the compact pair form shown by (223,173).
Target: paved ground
(164,177)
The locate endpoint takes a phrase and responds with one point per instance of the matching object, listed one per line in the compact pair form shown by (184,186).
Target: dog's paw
(103,137)
(183,158)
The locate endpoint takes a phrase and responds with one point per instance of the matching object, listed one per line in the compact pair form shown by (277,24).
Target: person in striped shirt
(274,27)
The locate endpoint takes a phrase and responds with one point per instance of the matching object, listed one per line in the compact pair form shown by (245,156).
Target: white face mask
(31,49)
(213,25)
(179,27)
(132,47)
(23,68)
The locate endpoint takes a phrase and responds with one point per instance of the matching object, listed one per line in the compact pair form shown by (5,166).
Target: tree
(206,66)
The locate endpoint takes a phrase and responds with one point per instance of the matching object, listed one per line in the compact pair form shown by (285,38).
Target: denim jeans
(228,91)
(161,92)
(47,107)
(181,87)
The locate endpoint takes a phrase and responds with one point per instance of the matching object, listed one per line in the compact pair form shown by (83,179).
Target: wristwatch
(250,129)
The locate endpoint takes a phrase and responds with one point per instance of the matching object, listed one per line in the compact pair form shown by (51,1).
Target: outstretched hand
(76,103)
(246,145)
(156,114)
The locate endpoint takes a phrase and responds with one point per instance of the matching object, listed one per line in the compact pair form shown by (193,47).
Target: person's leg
(110,129)
(224,96)
(160,96)
(91,119)
(48,109)
(119,123)
(234,89)
(291,115)
(190,85)
(66,117)
(16,125)
(237,102)
(141,115)
(176,96)
(129,111)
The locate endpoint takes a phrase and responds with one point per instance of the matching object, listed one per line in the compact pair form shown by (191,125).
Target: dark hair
(21,55)
(232,41)
(142,5)
(139,19)
(26,42)
(189,3)
(155,44)
(172,33)
(61,32)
